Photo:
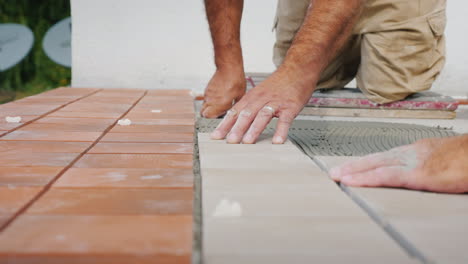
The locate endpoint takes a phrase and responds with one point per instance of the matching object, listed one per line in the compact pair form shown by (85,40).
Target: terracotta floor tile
(4,125)
(4,219)
(137,239)
(153,129)
(69,91)
(172,109)
(142,148)
(172,92)
(121,201)
(36,159)
(111,100)
(149,137)
(98,107)
(27,176)
(126,178)
(68,127)
(87,114)
(52,136)
(162,115)
(173,122)
(147,161)
(20,147)
(13,198)
(74,121)
(10,126)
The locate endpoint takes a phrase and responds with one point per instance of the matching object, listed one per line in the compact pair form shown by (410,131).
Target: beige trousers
(397,47)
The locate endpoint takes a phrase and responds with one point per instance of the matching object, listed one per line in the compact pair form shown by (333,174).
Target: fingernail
(248,139)
(278,140)
(216,135)
(232,138)
(334,173)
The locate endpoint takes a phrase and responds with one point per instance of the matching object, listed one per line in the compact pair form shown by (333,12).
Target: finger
(225,125)
(285,120)
(214,111)
(393,176)
(366,163)
(243,122)
(262,119)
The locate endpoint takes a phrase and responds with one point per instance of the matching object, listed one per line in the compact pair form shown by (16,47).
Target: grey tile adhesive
(344,138)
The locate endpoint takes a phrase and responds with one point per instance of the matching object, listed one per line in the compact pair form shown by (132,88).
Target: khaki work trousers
(397,47)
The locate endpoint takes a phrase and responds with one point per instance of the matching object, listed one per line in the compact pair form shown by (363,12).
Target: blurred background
(36,72)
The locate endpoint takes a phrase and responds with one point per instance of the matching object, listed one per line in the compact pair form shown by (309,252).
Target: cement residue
(344,138)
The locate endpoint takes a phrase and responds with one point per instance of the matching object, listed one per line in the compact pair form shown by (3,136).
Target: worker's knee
(400,62)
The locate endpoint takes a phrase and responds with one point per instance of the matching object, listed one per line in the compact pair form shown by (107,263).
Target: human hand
(225,88)
(439,165)
(280,95)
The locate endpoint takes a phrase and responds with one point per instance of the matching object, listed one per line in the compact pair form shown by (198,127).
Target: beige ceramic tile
(287,215)
(434,223)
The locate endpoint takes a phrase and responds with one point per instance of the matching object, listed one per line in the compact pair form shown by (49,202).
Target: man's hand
(225,88)
(278,96)
(439,165)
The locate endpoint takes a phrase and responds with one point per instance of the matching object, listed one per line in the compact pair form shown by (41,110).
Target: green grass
(36,73)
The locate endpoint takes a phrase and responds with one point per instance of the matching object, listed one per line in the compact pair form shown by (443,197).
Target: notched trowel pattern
(342,138)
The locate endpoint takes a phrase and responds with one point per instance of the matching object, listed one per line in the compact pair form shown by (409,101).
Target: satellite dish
(57,42)
(15,43)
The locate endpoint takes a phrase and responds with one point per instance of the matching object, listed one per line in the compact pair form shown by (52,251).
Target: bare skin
(326,28)
(438,165)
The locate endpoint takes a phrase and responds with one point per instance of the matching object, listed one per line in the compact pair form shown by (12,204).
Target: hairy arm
(228,83)
(327,26)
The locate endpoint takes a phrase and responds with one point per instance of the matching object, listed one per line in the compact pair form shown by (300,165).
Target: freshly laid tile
(76,127)
(434,223)
(122,239)
(126,178)
(92,122)
(253,217)
(120,201)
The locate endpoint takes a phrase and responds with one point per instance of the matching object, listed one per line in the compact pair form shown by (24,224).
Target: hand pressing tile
(148,161)
(46,135)
(27,176)
(142,148)
(148,137)
(122,201)
(126,178)
(27,159)
(99,239)
(19,147)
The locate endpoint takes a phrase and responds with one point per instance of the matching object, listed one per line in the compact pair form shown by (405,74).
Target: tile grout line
(51,182)
(391,231)
(48,113)
(197,256)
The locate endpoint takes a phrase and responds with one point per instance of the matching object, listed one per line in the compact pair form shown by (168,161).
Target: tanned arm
(327,26)
(228,83)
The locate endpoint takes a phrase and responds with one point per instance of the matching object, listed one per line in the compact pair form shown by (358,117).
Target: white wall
(166,44)
(158,43)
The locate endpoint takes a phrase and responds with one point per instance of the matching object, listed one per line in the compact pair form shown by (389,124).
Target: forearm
(224,18)
(326,28)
